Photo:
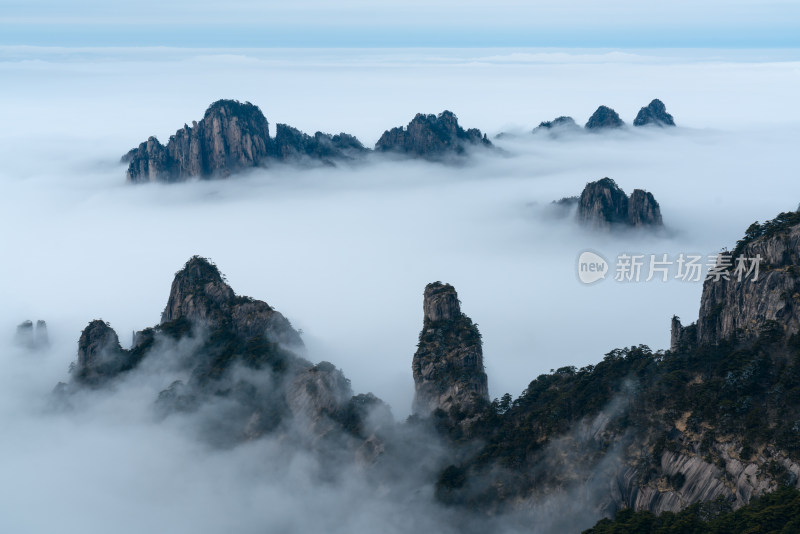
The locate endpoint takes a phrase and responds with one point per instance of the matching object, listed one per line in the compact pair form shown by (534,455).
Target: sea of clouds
(345,252)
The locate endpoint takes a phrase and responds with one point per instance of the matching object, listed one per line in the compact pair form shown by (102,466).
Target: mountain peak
(100,355)
(604,118)
(440,302)
(198,292)
(655,113)
(234,107)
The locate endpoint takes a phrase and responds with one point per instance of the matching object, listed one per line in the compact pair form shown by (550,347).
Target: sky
(394,23)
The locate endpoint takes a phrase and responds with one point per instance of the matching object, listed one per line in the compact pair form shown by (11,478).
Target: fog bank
(343,252)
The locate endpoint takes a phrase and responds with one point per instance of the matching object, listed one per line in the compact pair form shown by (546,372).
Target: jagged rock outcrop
(432,137)
(604,118)
(32,338)
(682,337)
(201,296)
(448,365)
(100,356)
(150,162)
(737,303)
(559,125)
(654,114)
(603,204)
(231,137)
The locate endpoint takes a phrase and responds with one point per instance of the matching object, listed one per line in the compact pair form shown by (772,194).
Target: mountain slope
(717,417)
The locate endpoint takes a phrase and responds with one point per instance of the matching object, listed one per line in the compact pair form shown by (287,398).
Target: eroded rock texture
(737,304)
(448,365)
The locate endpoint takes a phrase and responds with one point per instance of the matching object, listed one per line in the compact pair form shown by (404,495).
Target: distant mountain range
(233,137)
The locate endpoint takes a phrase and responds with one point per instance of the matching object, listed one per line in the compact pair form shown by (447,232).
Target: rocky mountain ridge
(605,118)
(233,137)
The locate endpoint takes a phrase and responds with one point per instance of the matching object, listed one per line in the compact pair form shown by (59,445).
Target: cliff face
(231,137)
(448,365)
(688,479)
(603,204)
(150,162)
(604,118)
(745,329)
(733,308)
(654,114)
(431,137)
(643,210)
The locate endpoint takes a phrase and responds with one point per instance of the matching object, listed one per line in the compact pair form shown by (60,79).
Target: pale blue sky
(576,23)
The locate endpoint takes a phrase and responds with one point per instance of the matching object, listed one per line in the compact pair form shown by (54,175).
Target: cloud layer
(344,252)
